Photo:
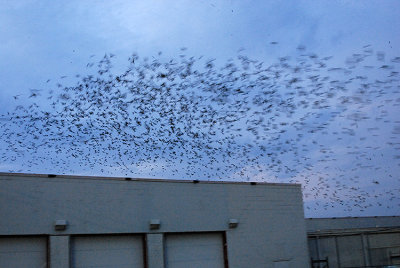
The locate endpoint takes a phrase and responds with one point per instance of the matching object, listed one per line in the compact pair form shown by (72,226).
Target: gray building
(354,242)
(72,221)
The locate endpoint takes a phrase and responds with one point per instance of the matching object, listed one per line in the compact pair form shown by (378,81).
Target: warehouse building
(354,242)
(75,221)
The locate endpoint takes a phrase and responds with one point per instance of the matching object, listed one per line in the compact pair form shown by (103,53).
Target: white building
(71,221)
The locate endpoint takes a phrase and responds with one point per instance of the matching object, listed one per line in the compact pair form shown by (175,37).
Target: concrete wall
(355,242)
(270,233)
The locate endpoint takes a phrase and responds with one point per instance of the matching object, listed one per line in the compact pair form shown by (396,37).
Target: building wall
(355,242)
(270,230)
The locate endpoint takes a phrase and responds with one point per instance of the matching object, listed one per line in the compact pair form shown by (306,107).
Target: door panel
(23,252)
(194,250)
(107,251)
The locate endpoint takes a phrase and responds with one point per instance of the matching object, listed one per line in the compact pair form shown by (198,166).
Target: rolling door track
(203,250)
(107,251)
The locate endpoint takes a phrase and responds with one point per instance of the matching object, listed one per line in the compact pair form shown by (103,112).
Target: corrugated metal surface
(194,250)
(107,251)
(384,248)
(350,251)
(363,250)
(22,252)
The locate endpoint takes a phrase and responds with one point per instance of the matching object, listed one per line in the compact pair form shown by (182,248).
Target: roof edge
(144,179)
(353,217)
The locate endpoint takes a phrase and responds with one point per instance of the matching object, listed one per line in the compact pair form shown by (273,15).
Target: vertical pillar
(59,251)
(337,252)
(155,250)
(365,250)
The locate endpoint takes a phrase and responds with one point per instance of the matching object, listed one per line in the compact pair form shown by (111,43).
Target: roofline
(144,179)
(350,217)
(353,231)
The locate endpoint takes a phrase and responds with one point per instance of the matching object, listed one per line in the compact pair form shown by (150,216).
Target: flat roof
(144,179)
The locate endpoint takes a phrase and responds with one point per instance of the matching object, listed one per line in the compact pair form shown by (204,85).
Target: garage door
(107,251)
(24,252)
(194,250)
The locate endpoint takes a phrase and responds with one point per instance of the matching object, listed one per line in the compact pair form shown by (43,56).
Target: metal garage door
(107,251)
(23,252)
(194,250)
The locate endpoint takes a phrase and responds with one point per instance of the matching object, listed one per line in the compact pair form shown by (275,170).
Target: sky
(45,42)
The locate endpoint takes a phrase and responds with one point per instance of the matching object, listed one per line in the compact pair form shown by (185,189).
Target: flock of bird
(300,119)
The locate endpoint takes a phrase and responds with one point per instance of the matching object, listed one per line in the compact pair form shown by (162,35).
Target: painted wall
(271,230)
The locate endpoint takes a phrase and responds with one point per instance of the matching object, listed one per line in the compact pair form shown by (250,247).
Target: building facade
(72,221)
(354,242)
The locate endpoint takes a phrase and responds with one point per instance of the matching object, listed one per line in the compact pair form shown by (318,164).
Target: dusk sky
(48,42)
